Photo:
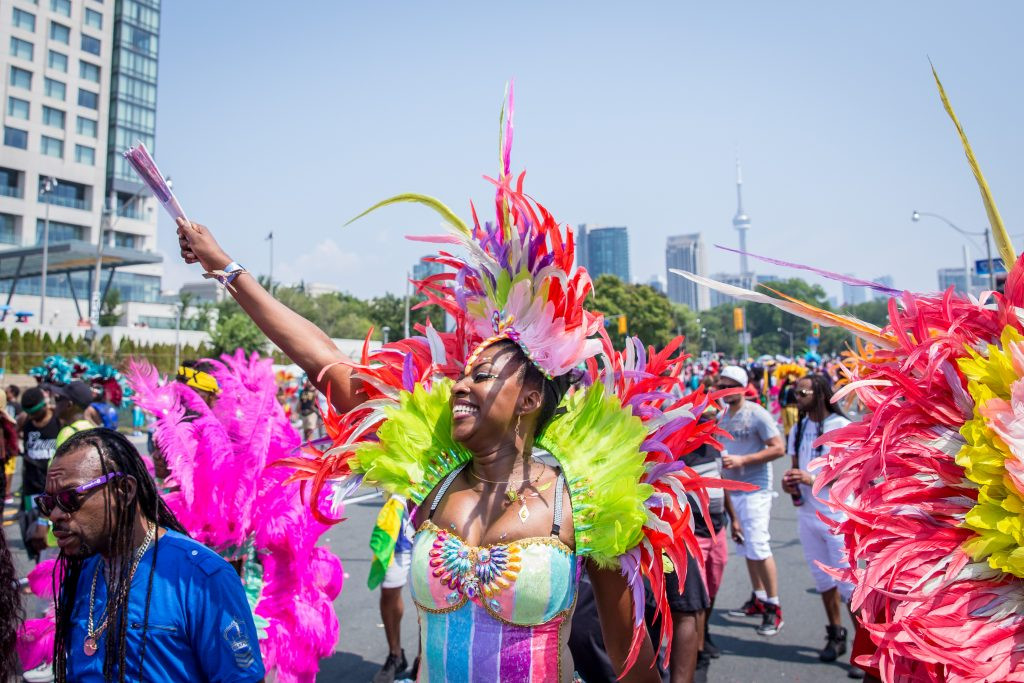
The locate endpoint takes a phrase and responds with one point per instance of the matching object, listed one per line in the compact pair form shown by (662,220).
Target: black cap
(77,392)
(33,400)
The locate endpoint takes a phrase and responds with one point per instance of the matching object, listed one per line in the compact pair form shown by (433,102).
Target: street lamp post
(916,216)
(107,224)
(386,330)
(704,334)
(47,187)
(790,335)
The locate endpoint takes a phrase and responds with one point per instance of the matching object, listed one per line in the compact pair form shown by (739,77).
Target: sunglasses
(804,392)
(71,500)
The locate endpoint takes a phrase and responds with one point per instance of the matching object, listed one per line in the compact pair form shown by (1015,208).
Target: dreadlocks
(11,613)
(822,405)
(117,454)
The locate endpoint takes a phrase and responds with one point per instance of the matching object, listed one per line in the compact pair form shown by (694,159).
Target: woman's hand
(198,245)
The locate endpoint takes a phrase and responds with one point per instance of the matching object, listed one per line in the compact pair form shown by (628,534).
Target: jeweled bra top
(526,582)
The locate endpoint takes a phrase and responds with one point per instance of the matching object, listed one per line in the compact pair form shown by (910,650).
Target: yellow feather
(435,204)
(999,234)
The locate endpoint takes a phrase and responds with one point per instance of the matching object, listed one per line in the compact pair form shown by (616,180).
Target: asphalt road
(789,656)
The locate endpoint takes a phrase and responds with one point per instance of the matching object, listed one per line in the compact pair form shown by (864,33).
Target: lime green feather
(597,443)
(447,214)
(415,448)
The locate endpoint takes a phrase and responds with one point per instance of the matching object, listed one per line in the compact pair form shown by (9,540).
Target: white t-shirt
(807,452)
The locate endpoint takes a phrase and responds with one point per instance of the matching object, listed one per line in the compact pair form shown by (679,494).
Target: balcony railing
(70,202)
(10,191)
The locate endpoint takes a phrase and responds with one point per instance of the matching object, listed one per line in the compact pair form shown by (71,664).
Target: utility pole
(47,186)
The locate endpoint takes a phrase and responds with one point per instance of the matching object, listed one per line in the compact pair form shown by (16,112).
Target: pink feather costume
(219,461)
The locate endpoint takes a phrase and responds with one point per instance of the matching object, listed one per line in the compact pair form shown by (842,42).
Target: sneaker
(392,666)
(710,648)
(772,622)
(41,674)
(835,644)
(855,673)
(751,608)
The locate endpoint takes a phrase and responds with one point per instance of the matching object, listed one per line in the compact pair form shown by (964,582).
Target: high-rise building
(80,79)
(853,295)
(603,251)
(656,283)
(954,277)
(885,280)
(748,281)
(424,269)
(687,252)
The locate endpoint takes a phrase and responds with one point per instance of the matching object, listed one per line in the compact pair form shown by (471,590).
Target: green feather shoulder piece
(415,448)
(597,443)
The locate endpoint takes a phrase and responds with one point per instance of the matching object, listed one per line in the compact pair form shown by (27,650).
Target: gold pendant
(89,647)
(511,495)
(524,512)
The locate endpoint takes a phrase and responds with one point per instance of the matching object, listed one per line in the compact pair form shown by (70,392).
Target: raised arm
(302,341)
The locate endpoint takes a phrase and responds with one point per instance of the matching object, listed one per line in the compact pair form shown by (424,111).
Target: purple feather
(408,376)
(846,279)
(630,561)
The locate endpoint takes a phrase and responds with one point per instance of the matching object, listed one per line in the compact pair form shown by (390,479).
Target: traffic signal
(737,319)
(623,327)
(815,330)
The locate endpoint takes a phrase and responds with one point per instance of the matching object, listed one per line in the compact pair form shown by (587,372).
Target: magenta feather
(845,279)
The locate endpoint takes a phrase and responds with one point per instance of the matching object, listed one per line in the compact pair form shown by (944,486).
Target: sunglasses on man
(71,500)
(804,392)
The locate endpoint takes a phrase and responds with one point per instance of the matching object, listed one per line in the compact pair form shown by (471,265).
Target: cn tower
(742,221)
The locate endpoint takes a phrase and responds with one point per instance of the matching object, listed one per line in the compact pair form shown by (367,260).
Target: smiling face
(726,383)
(86,531)
(488,400)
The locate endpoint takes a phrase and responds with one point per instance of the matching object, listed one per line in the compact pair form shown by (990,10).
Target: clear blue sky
(293,117)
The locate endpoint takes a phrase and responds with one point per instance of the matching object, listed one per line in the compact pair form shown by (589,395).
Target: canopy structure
(65,258)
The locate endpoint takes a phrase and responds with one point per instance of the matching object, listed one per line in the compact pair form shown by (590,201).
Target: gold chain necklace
(90,647)
(513,495)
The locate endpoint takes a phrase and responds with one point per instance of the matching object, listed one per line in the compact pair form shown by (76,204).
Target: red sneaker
(751,608)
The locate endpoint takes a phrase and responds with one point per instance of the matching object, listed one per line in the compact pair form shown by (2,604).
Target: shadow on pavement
(345,667)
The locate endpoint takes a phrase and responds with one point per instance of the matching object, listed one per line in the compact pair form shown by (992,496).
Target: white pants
(821,545)
(397,572)
(754,510)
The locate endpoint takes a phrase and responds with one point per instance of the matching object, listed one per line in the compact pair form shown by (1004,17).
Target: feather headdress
(931,479)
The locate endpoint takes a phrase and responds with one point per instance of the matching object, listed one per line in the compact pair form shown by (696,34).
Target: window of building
(61,7)
(15,137)
(88,99)
(24,20)
(58,231)
(17,108)
(9,185)
(60,33)
(20,78)
(85,155)
(67,193)
(93,18)
(126,239)
(139,39)
(89,72)
(22,49)
(86,127)
(51,147)
(90,44)
(58,61)
(140,14)
(53,117)
(136,90)
(56,89)
(8,229)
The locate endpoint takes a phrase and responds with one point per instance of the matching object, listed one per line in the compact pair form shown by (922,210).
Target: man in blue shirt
(139,599)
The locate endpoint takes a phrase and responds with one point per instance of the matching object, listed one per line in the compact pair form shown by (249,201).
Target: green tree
(110,311)
(649,314)
(236,330)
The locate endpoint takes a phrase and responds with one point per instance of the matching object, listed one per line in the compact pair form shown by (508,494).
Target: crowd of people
(559,509)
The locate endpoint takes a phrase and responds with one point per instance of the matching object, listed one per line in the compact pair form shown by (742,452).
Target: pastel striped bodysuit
(499,613)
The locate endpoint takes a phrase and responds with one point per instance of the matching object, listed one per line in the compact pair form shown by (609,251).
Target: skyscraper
(603,251)
(81,81)
(686,252)
(882,280)
(853,295)
(424,269)
(741,222)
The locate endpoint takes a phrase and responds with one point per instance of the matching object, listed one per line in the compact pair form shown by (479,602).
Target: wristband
(227,275)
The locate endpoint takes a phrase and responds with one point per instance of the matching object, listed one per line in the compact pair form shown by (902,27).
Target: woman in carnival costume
(932,478)
(519,482)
